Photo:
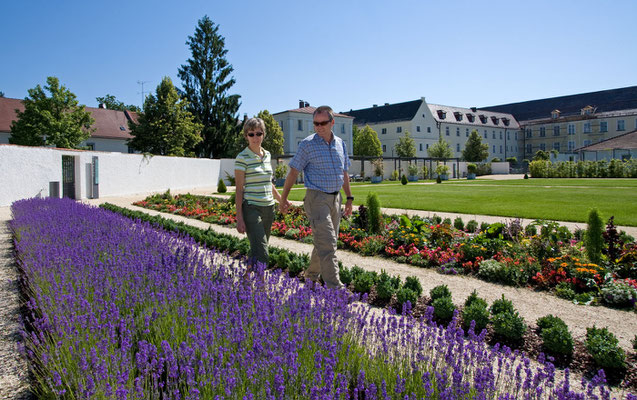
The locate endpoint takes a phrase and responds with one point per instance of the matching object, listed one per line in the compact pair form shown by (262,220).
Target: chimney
(375,105)
(474,109)
(306,104)
(245,117)
(101,105)
(386,104)
(301,104)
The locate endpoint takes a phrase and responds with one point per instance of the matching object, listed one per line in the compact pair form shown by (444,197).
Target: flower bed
(530,257)
(120,309)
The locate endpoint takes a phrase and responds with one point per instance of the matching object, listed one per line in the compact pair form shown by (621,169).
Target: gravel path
(14,382)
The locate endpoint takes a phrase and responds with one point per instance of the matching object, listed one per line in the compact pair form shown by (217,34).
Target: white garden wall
(27,171)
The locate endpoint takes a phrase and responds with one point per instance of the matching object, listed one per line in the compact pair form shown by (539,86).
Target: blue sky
(347,54)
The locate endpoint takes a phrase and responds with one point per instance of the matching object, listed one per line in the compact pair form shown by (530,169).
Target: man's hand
(284,205)
(348,209)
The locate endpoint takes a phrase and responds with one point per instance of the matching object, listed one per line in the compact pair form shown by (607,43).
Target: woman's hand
(241,225)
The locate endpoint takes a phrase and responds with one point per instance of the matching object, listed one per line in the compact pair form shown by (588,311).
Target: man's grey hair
(324,109)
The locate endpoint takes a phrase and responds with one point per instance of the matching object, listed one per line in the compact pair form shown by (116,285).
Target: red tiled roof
(310,110)
(108,123)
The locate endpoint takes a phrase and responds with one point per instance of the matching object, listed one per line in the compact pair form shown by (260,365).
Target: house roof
(477,118)
(601,101)
(310,110)
(626,141)
(109,124)
(388,113)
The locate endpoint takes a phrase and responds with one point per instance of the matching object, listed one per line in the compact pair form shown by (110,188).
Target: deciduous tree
(474,149)
(440,149)
(113,104)
(166,127)
(366,142)
(273,141)
(207,81)
(406,147)
(57,120)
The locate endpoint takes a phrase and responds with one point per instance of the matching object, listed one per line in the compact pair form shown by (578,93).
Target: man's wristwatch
(350,198)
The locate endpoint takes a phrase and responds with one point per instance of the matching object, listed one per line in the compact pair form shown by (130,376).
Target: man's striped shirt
(258,177)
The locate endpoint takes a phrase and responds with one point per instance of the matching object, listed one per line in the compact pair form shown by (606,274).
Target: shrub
(495,159)
(458,224)
(364,282)
(443,308)
(484,226)
(280,171)
(472,226)
(603,347)
(221,186)
(634,342)
(471,168)
(438,180)
(619,293)
(565,290)
(447,221)
(436,219)
(394,175)
(233,198)
(385,290)
(298,263)
(413,283)
(345,275)
(557,340)
(509,326)
(478,312)
(373,213)
(473,298)
(501,305)
(439,292)
(490,270)
(403,180)
(593,239)
(356,271)
(549,321)
(406,294)
(526,176)
(530,230)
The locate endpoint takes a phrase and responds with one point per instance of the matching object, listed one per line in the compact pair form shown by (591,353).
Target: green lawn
(554,199)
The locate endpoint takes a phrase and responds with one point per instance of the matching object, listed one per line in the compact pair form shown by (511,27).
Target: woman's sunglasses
(259,134)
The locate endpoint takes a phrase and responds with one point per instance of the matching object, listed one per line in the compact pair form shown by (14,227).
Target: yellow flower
(563,265)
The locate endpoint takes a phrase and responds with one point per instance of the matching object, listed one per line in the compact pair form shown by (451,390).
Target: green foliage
(413,283)
(557,340)
(58,120)
(221,186)
(442,169)
(438,180)
(549,321)
(512,160)
(385,289)
(458,223)
(280,171)
(509,326)
(345,275)
(502,306)
(472,226)
(634,342)
(474,149)
(584,169)
(476,311)
(111,103)
(273,141)
(364,282)
(439,292)
(394,175)
(406,147)
(565,291)
(495,159)
(373,212)
(366,142)
(405,294)
(473,298)
(526,176)
(541,155)
(443,308)
(471,168)
(206,80)
(403,180)
(594,239)
(618,293)
(165,127)
(440,149)
(495,271)
(604,348)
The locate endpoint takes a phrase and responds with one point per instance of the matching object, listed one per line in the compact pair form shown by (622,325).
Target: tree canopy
(474,149)
(406,147)
(57,120)
(440,149)
(206,81)
(166,127)
(113,104)
(366,142)
(273,141)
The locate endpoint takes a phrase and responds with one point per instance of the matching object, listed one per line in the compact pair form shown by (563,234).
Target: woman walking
(255,193)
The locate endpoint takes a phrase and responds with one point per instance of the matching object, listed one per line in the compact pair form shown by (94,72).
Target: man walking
(324,161)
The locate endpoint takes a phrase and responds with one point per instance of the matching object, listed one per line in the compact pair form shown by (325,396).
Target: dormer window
(483,118)
(588,110)
(471,117)
(505,121)
(442,114)
(555,114)
(458,116)
(495,120)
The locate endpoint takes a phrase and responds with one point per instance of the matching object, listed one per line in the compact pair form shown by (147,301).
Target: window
(130,150)
(587,142)
(529,132)
(429,129)
(542,131)
(383,131)
(571,129)
(417,128)
(529,148)
(587,127)
(571,145)
(457,131)
(399,129)
(457,146)
(556,146)
(620,125)
(509,136)
(342,128)
(603,126)
(556,130)
(447,130)
(384,148)
(467,132)
(420,146)
(500,149)
(500,135)
(493,134)
(516,136)
(90,146)
(486,136)
(299,125)
(494,149)
(427,146)
(458,116)
(542,146)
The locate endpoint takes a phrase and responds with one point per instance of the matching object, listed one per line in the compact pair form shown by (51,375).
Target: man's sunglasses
(322,123)
(259,134)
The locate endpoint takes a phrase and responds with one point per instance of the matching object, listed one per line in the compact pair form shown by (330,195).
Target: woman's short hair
(253,124)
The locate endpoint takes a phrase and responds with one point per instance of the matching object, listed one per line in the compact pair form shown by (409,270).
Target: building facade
(297,124)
